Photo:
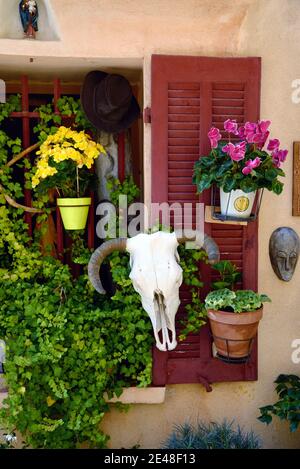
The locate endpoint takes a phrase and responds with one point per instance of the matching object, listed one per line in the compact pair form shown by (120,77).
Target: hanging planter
(235,205)
(240,170)
(64,164)
(233,334)
(74,212)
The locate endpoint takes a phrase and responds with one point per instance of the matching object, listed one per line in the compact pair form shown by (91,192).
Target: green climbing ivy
(68,348)
(49,120)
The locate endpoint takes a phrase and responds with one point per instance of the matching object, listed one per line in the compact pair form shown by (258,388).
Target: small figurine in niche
(284,249)
(29,15)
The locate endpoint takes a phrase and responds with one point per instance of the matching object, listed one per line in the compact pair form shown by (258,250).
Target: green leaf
(271,174)
(248,185)
(266,418)
(229,184)
(277,187)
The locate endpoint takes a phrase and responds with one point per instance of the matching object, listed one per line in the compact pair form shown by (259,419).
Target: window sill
(133,395)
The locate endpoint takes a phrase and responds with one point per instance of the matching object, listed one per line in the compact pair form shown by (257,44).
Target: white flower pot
(237,203)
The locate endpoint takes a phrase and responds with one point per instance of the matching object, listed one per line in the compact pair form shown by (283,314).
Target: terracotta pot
(232,332)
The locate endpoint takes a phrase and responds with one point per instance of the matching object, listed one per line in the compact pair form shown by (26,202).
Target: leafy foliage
(49,120)
(127,187)
(8,148)
(238,302)
(288,405)
(195,310)
(229,275)
(67,347)
(13,104)
(218,168)
(212,435)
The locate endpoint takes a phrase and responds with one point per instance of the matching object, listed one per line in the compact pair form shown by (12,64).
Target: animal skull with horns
(155,273)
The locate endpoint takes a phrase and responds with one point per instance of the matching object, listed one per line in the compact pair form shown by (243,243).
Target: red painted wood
(91,223)
(121,156)
(56,93)
(135,139)
(59,224)
(25,114)
(26,143)
(206,91)
(60,235)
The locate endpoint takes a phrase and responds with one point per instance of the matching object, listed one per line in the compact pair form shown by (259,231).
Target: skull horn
(98,256)
(209,245)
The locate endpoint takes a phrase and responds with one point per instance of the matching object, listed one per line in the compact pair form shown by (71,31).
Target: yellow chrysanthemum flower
(63,145)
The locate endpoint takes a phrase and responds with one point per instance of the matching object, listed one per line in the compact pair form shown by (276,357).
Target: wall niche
(11,26)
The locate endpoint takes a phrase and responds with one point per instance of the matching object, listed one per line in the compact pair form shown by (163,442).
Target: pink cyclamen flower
(260,138)
(230,125)
(241,131)
(250,131)
(273,144)
(250,165)
(236,152)
(263,126)
(214,136)
(278,157)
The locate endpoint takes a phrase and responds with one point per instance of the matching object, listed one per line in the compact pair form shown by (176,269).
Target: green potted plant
(239,169)
(64,162)
(234,317)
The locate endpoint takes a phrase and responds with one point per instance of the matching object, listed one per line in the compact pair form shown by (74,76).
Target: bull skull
(156,275)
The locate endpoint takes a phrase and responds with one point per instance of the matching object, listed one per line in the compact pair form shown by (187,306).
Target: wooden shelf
(210,219)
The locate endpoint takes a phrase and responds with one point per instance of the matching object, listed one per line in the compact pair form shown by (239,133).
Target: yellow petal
(50,401)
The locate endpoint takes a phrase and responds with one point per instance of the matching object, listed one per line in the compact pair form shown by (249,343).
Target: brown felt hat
(108,101)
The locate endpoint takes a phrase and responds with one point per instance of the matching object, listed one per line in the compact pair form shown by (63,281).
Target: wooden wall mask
(284,246)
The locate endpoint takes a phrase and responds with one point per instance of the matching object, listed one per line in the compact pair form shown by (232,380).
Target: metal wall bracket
(205,383)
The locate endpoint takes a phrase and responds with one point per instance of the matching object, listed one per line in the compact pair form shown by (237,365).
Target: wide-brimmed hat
(108,101)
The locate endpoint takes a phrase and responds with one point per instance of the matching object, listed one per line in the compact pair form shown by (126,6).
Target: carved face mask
(284,248)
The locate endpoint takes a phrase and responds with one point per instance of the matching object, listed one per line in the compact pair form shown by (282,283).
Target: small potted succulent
(234,317)
(64,164)
(241,166)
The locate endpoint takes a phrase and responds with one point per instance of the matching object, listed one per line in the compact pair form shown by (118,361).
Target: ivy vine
(68,348)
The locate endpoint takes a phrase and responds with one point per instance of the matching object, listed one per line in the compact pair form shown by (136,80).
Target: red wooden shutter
(189,95)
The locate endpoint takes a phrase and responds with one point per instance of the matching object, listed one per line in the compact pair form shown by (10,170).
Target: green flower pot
(74,212)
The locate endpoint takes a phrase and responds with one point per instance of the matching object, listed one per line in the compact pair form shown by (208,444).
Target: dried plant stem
(15,204)
(22,154)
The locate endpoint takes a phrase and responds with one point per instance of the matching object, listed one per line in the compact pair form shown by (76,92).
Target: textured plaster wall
(97,30)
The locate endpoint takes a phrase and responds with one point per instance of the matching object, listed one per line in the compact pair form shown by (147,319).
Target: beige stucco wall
(114,32)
